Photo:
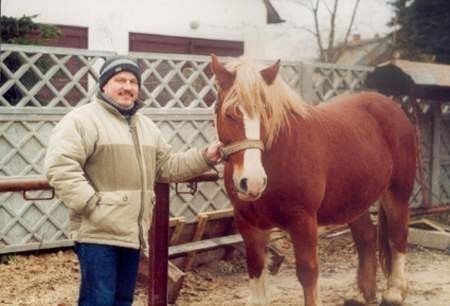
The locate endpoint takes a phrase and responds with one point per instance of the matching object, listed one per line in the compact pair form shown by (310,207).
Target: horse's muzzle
(250,190)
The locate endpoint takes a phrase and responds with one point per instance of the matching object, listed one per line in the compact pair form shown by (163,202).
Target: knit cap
(116,64)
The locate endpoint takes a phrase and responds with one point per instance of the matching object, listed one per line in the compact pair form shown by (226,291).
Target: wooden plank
(219,214)
(198,234)
(175,237)
(428,225)
(203,245)
(173,222)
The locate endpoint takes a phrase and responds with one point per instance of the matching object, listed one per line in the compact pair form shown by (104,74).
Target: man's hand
(212,153)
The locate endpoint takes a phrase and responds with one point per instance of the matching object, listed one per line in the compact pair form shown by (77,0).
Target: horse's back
(373,109)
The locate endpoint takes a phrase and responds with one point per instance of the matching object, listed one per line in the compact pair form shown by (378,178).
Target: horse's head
(241,114)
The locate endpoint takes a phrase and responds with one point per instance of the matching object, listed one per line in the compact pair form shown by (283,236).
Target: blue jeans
(108,274)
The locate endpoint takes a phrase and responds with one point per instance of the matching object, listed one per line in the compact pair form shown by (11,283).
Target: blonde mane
(274,103)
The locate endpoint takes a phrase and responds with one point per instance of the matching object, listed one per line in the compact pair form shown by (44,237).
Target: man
(103,159)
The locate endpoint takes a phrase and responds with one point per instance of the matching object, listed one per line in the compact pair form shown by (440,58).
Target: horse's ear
(270,73)
(224,77)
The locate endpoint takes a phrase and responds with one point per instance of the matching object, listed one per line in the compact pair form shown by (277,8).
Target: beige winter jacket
(103,167)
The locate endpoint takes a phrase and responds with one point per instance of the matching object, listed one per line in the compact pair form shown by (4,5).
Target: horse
(294,166)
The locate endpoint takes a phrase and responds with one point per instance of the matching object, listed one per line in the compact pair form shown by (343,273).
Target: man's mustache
(130,93)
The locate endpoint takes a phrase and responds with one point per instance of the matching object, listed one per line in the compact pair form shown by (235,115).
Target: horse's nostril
(243,184)
(265,182)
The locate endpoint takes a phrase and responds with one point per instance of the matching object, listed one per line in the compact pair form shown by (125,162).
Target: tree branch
(332,30)
(315,10)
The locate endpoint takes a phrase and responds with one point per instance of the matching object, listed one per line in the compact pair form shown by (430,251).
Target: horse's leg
(255,241)
(365,236)
(304,239)
(393,235)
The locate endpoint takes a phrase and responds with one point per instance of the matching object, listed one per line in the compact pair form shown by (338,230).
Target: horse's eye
(229,115)
(232,115)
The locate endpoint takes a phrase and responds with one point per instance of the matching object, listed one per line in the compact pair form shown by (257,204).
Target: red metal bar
(23,183)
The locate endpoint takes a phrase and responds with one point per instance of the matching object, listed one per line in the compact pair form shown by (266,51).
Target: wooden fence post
(158,242)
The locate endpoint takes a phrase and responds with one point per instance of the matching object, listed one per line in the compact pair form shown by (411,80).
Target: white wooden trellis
(178,92)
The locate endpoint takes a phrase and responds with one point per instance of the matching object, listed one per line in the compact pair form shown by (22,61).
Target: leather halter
(241,145)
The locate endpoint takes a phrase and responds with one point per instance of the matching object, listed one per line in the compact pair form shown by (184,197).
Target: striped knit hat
(116,64)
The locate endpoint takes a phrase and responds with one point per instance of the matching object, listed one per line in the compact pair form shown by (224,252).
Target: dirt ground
(53,278)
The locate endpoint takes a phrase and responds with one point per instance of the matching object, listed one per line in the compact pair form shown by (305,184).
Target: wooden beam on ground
(430,239)
(424,223)
(174,281)
(203,245)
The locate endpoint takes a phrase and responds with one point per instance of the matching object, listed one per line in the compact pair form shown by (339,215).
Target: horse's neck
(289,134)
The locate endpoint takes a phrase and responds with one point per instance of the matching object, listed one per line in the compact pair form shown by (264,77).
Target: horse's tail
(384,250)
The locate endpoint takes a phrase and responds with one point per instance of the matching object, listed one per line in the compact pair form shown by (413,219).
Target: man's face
(123,88)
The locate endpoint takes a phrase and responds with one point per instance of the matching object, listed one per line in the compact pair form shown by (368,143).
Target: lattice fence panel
(183,134)
(291,73)
(177,82)
(26,225)
(38,85)
(332,80)
(47,77)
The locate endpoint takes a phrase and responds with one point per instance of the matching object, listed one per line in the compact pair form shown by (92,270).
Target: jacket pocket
(113,198)
(113,215)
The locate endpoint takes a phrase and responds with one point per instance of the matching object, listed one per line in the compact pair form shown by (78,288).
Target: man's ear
(224,77)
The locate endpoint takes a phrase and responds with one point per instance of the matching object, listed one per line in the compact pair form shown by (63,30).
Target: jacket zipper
(135,138)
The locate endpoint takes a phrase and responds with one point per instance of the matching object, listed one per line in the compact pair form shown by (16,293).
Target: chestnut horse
(295,166)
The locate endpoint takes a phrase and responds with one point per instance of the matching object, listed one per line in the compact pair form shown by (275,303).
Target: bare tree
(327,48)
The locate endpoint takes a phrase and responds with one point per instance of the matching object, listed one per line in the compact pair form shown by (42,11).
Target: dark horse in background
(295,166)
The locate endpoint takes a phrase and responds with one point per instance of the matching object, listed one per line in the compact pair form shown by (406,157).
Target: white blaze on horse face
(259,291)
(251,182)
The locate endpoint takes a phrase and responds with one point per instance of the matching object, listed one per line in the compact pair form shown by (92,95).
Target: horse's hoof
(393,297)
(386,303)
(353,302)
(358,300)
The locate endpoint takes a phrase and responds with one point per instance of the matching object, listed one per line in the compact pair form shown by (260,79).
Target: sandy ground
(53,279)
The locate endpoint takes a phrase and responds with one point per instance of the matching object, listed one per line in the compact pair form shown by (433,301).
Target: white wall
(109,22)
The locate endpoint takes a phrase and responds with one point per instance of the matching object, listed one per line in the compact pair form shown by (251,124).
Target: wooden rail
(158,235)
